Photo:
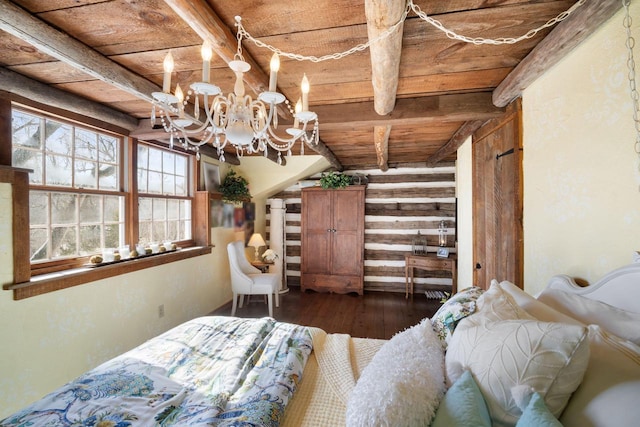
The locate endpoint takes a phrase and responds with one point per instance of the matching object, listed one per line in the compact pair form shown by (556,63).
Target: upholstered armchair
(247,280)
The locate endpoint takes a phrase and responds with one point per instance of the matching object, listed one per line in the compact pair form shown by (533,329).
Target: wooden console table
(428,262)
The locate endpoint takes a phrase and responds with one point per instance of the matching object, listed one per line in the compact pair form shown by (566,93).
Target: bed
(494,357)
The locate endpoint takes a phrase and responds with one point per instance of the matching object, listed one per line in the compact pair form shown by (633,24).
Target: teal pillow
(462,405)
(536,414)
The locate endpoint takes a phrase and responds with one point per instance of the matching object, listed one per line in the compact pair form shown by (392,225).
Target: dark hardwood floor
(373,315)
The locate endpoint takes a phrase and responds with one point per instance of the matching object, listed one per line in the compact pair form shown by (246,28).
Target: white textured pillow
(608,394)
(403,384)
(622,323)
(504,346)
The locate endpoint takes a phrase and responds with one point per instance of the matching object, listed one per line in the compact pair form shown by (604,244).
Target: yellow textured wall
(581,176)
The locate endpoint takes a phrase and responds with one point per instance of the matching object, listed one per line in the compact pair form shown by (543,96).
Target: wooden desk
(428,262)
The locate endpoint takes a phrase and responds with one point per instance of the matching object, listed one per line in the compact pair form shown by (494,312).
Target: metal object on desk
(429,262)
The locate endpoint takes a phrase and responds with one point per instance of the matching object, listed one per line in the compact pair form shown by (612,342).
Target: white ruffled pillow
(403,384)
(608,394)
(503,347)
(622,323)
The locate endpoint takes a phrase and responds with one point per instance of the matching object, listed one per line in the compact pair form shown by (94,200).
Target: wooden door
(497,200)
(347,247)
(317,224)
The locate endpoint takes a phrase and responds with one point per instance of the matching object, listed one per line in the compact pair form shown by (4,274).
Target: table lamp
(256,241)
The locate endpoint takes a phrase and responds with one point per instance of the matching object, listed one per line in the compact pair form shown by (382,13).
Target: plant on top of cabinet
(334,180)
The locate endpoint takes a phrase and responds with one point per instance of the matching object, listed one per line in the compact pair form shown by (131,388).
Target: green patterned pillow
(453,310)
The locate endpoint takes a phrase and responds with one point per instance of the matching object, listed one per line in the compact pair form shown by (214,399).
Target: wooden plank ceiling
(423,95)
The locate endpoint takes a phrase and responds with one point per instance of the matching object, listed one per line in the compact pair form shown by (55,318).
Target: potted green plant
(234,188)
(334,180)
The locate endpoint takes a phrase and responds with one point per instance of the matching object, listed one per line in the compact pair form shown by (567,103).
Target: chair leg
(270,300)
(277,298)
(242,300)
(234,304)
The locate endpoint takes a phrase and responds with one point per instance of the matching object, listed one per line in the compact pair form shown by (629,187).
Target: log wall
(398,203)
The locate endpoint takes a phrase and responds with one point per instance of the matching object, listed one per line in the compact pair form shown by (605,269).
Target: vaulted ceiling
(412,98)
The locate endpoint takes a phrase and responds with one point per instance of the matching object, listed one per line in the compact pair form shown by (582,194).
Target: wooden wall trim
(19,180)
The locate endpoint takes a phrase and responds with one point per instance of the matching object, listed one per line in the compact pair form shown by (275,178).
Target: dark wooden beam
(6,149)
(16,21)
(384,53)
(560,41)
(33,90)
(458,138)
(410,111)
(325,152)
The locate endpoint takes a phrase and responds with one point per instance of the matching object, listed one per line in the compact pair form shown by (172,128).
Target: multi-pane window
(164,206)
(76,204)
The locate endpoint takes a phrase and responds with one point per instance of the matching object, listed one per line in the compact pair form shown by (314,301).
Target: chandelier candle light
(237,119)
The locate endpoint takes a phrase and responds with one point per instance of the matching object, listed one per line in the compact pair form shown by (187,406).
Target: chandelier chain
(631,65)
(242,32)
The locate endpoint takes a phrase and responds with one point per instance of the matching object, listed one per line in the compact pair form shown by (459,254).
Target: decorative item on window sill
(248,125)
(419,245)
(442,234)
(234,188)
(334,180)
(256,241)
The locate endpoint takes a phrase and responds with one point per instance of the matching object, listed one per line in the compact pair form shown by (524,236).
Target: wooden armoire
(332,239)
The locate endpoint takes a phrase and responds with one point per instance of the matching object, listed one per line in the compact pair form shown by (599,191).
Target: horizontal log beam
(33,90)
(410,111)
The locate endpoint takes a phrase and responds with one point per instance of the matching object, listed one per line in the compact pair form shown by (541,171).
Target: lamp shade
(256,240)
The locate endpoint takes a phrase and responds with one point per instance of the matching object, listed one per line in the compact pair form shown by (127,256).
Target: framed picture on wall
(211,177)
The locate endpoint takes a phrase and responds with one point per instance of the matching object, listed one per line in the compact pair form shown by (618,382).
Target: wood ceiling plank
(16,21)
(124,26)
(290,18)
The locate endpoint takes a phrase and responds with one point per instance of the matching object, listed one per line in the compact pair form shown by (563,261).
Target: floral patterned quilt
(210,371)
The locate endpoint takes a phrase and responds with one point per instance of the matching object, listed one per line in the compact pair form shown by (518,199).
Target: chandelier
(249,125)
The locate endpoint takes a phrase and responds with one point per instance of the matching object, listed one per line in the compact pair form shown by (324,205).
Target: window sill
(51,282)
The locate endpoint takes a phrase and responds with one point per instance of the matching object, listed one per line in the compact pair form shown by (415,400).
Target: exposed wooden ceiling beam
(381,143)
(206,24)
(16,21)
(325,152)
(560,41)
(25,87)
(458,138)
(434,109)
(385,53)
